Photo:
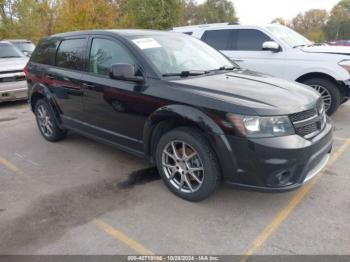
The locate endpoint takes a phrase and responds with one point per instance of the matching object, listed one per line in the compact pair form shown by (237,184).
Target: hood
(340,50)
(13,64)
(246,91)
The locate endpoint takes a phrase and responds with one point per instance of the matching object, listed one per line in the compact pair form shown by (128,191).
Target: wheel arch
(40,91)
(308,76)
(169,117)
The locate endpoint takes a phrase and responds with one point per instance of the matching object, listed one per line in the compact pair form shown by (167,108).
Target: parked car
(340,43)
(279,51)
(26,46)
(13,85)
(183,106)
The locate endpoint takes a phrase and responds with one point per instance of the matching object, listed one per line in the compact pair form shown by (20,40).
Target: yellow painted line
(284,213)
(10,166)
(120,236)
(340,138)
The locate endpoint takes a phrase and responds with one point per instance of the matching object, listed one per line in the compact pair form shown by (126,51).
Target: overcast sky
(264,11)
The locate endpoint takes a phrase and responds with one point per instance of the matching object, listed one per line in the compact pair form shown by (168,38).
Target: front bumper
(12,91)
(281,163)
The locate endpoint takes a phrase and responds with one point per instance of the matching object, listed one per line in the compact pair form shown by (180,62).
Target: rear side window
(219,39)
(104,53)
(45,52)
(250,40)
(70,54)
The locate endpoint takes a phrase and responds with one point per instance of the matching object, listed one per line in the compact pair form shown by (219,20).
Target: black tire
(332,90)
(55,134)
(344,100)
(195,140)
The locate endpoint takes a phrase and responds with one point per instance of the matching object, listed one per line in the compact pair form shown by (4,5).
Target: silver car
(13,84)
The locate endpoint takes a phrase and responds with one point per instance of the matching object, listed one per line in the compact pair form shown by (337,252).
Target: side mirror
(125,72)
(271,46)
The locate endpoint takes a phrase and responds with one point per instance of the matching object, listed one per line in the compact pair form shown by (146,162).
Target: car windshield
(9,51)
(289,36)
(176,53)
(25,46)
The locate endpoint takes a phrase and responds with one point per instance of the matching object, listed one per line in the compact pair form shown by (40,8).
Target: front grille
(11,72)
(309,123)
(12,79)
(303,115)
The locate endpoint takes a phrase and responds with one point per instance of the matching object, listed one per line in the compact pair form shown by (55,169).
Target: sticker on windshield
(146,43)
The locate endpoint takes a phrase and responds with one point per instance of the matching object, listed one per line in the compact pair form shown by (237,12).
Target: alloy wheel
(45,121)
(326,96)
(183,166)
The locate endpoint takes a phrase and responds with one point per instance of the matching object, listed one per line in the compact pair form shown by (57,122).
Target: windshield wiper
(186,73)
(298,46)
(10,56)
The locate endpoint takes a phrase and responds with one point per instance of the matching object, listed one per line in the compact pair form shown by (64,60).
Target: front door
(111,106)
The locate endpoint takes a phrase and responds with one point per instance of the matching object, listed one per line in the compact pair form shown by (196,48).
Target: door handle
(87,85)
(50,77)
(236,60)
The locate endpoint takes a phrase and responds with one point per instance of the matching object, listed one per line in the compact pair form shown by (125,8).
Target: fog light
(281,179)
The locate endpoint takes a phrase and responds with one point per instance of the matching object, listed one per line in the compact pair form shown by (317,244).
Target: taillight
(26,70)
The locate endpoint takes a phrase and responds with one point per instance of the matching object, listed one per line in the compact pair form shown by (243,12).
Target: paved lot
(81,197)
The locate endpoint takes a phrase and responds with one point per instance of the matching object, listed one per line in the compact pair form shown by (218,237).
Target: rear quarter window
(45,52)
(70,54)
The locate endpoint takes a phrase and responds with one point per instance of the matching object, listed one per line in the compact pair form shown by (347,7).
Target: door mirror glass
(271,46)
(126,72)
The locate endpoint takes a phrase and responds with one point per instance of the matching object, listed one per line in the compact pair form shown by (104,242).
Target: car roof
(220,26)
(120,32)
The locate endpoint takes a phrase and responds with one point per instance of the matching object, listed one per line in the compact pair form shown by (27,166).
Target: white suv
(279,51)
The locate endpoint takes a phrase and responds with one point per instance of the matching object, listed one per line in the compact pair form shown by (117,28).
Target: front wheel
(187,164)
(329,92)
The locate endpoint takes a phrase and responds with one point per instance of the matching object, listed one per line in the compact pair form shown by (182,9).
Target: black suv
(184,106)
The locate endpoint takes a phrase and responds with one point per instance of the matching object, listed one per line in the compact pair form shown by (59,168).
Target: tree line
(34,19)
(320,25)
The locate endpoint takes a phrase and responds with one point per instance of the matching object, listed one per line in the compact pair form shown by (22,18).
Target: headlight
(255,126)
(345,64)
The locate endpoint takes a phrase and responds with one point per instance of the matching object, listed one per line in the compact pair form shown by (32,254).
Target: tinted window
(106,52)
(219,39)
(188,33)
(70,54)
(250,40)
(45,52)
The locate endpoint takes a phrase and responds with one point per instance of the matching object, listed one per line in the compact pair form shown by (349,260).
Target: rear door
(65,76)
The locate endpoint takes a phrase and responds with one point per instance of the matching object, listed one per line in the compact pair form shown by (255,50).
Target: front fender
(188,115)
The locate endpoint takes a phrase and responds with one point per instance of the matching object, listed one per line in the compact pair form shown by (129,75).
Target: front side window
(219,39)
(9,51)
(177,53)
(104,53)
(70,54)
(250,40)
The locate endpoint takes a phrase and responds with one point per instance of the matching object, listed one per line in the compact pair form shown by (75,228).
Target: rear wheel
(329,92)
(187,164)
(47,122)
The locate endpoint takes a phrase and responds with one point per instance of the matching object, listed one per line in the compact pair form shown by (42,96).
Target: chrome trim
(313,172)
(306,121)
